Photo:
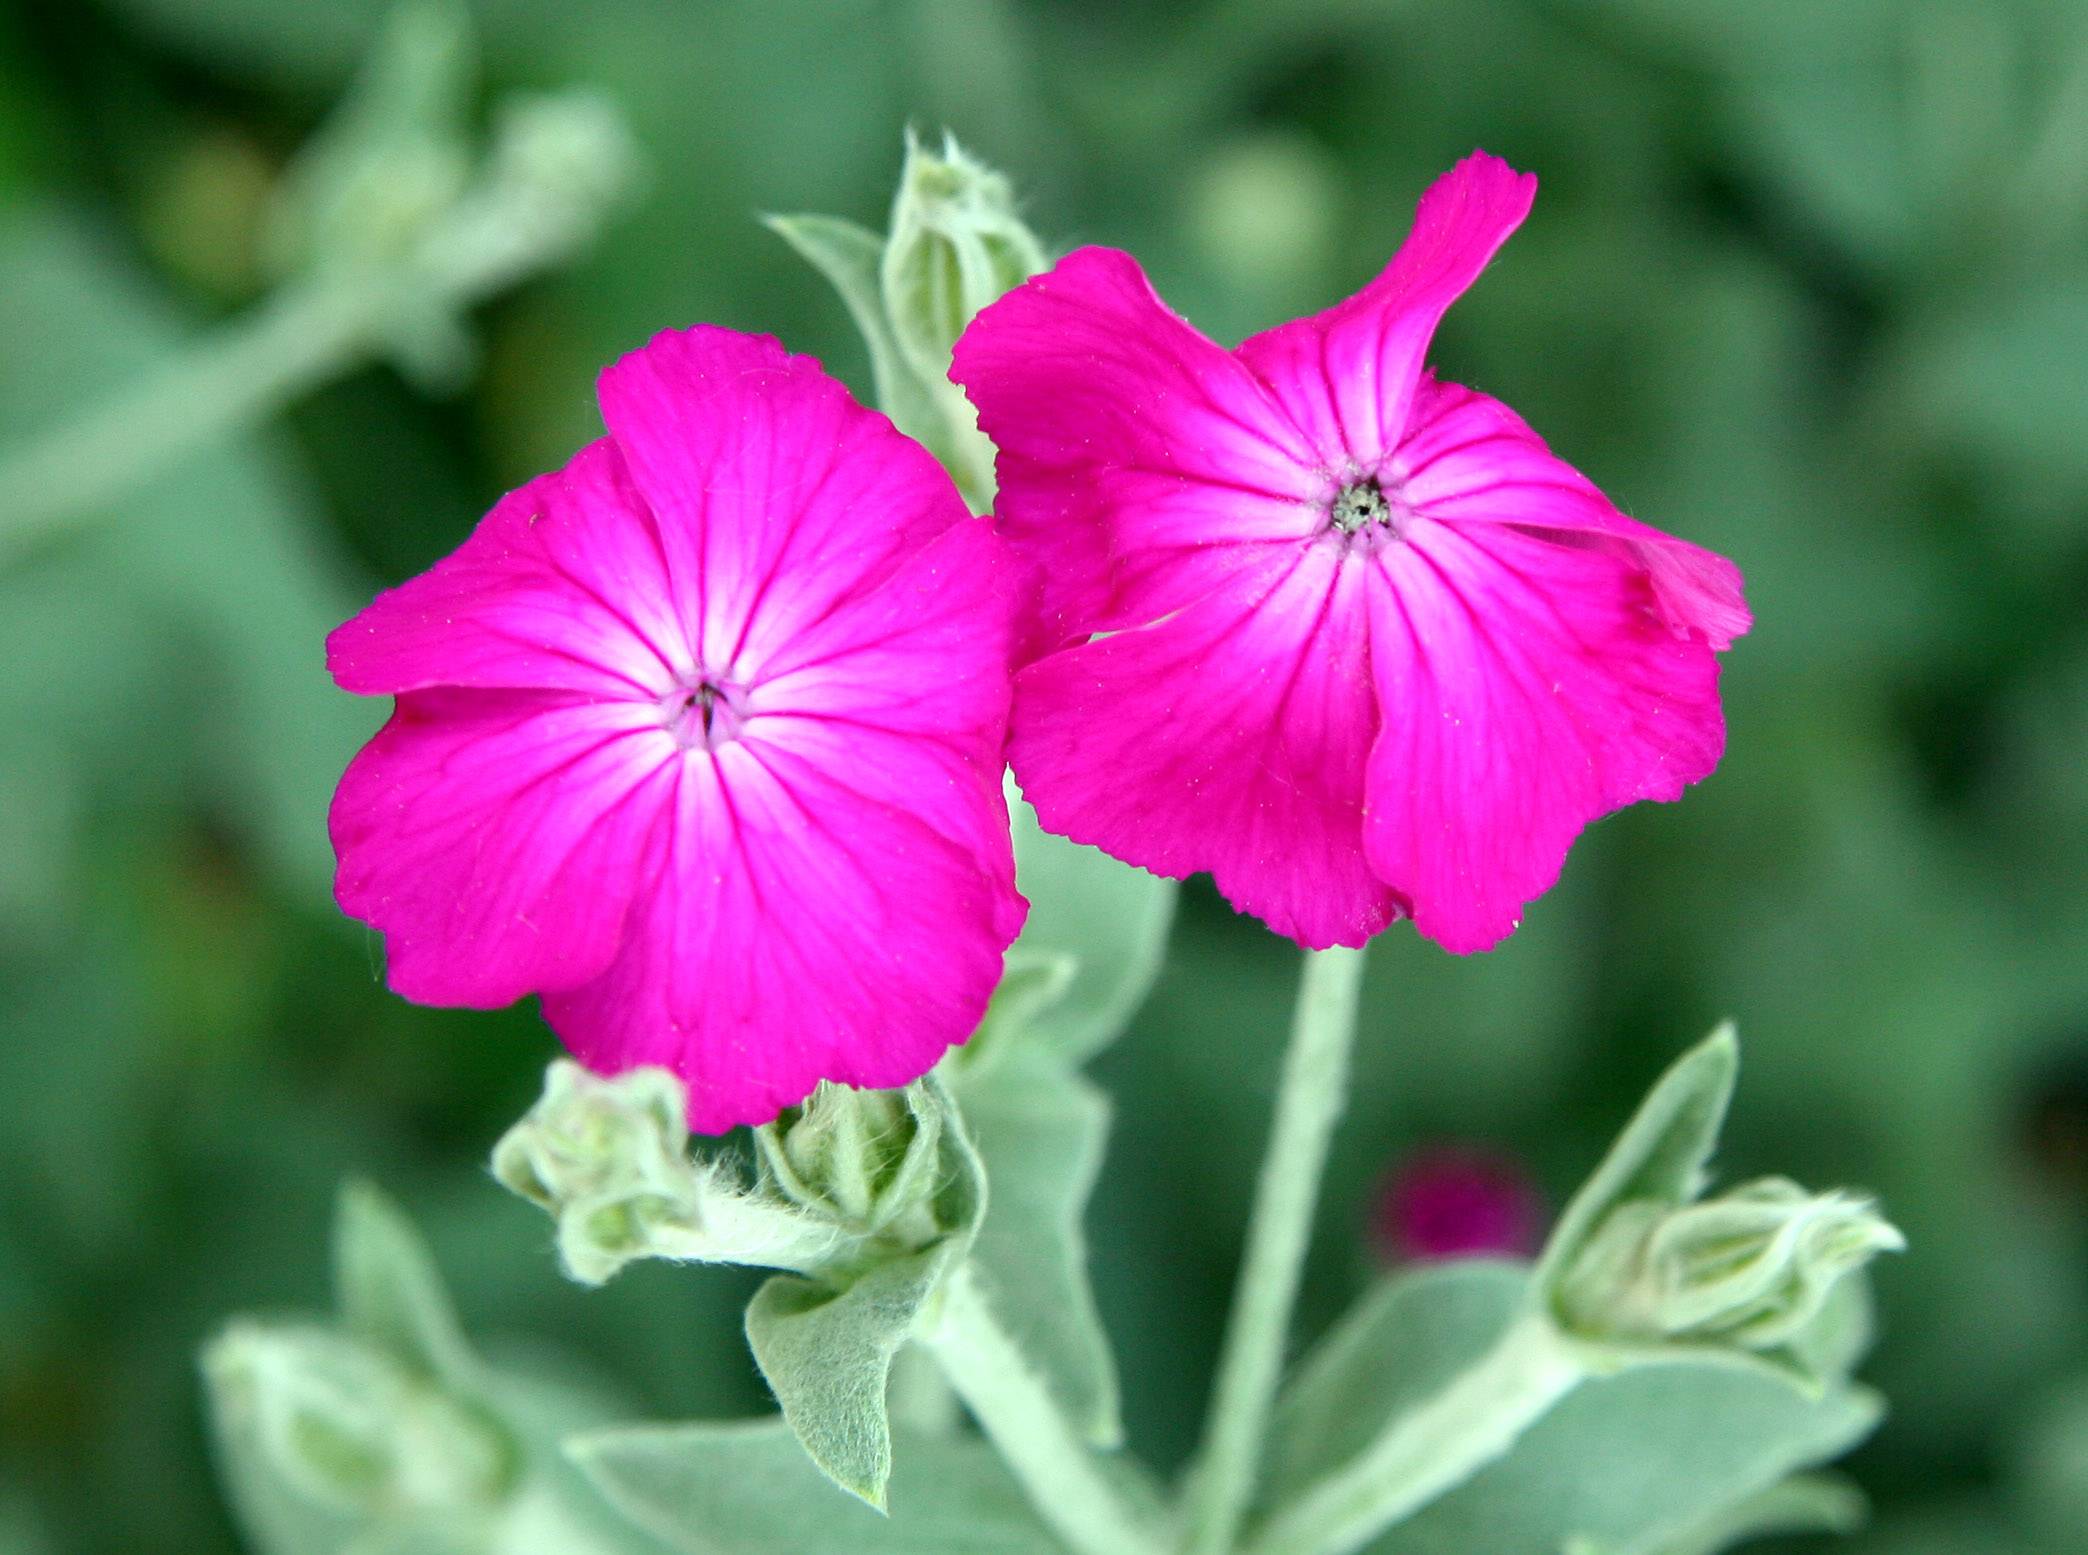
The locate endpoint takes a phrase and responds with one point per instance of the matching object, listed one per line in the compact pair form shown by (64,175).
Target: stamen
(1360,505)
(707,714)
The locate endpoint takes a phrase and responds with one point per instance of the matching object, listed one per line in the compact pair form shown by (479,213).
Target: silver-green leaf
(827,1355)
(744,1488)
(1041,1129)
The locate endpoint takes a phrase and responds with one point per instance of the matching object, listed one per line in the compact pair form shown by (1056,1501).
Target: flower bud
(341,1426)
(608,1158)
(955,245)
(1752,1267)
(396,154)
(868,1161)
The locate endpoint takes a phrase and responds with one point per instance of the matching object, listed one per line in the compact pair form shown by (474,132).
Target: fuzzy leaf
(743,1487)
(1623,1462)
(1041,1131)
(851,257)
(1662,1152)
(827,1355)
(1112,919)
(389,1291)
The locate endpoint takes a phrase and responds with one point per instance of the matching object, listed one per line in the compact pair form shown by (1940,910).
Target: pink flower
(700,739)
(1458,1201)
(1345,636)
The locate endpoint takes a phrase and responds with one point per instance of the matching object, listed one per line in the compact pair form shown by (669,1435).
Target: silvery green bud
(1751,1267)
(608,1158)
(341,1426)
(395,155)
(956,244)
(865,1160)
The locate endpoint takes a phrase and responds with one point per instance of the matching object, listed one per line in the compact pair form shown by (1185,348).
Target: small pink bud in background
(1457,1201)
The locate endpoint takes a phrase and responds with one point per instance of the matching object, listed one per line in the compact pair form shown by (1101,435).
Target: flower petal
(1130,447)
(1468,458)
(1348,374)
(1231,737)
(494,838)
(801,926)
(1530,687)
(910,675)
(780,495)
(562,585)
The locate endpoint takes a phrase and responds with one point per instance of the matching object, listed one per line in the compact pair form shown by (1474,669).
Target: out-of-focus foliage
(1807,281)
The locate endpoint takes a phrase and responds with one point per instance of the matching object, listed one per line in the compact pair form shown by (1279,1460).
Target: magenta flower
(700,739)
(1347,637)
(1458,1201)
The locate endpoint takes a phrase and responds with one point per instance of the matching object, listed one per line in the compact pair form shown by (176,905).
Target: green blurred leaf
(745,1488)
(1625,1461)
(389,1291)
(1662,1152)
(852,257)
(193,620)
(1041,1131)
(1403,1342)
(827,1355)
(1808,1503)
(1112,919)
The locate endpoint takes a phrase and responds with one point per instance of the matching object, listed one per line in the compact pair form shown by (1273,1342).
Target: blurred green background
(1807,282)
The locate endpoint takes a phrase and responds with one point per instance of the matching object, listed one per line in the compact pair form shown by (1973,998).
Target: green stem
(1065,1482)
(1431,1449)
(1308,1104)
(249,369)
(538,203)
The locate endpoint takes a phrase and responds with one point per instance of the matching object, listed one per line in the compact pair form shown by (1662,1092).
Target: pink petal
(1231,737)
(1529,688)
(908,679)
(563,584)
(780,495)
(804,925)
(1128,444)
(495,837)
(838,885)
(1347,375)
(1470,459)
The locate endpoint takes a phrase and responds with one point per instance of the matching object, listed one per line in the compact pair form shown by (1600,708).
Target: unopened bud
(956,244)
(395,155)
(344,1427)
(1751,1268)
(608,1158)
(863,1159)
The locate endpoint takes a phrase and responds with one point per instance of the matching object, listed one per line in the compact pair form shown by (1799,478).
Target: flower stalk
(554,171)
(1063,1478)
(1309,1102)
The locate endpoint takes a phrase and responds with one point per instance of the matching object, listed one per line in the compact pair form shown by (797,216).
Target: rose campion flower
(1345,636)
(699,738)
(1458,1201)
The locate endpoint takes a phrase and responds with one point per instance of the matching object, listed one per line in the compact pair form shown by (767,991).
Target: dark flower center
(705,714)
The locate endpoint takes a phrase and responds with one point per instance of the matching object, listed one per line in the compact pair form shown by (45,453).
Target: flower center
(704,714)
(1362,505)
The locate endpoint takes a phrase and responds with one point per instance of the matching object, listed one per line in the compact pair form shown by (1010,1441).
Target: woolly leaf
(1625,1462)
(827,1354)
(1041,1131)
(1112,919)
(743,1487)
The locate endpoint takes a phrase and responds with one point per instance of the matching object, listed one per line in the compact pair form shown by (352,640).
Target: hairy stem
(1309,1101)
(1065,1482)
(1432,1449)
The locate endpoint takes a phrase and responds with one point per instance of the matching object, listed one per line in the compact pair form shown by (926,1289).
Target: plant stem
(1065,1482)
(1431,1449)
(236,377)
(1309,1101)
